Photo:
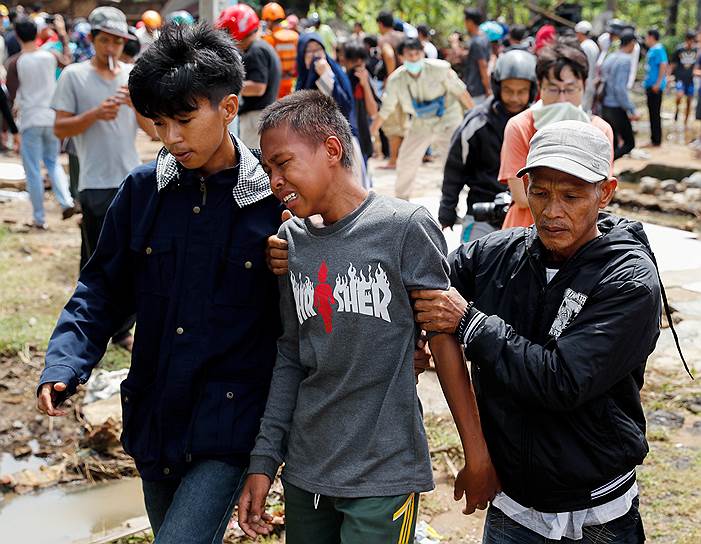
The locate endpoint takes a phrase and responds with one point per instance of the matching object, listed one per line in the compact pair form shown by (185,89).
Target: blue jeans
(195,508)
(39,143)
(628,529)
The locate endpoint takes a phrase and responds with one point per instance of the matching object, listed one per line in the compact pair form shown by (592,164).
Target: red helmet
(238,20)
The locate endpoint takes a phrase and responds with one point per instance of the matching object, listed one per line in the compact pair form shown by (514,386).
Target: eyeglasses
(555,92)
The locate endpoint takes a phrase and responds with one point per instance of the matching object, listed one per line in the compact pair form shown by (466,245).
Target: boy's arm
(478,479)
(103,299)
(268,453)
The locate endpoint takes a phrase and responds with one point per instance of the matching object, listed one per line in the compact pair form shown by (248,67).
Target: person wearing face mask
(319,72)
(435,97)
(473,159)
(562,71)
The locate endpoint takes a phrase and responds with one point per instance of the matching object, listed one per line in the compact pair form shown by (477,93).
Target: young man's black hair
(355,50)
(559,55)
(474,15)
(412,44)
(386,19)
(187,63)
(518,32)
(370,41)
(654,33)
(25,29)
(423,30)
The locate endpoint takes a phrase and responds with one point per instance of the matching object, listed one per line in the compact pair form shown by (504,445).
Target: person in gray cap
(94,109)
(544,314)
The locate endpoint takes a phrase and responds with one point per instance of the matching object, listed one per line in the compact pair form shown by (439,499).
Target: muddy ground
(38,271)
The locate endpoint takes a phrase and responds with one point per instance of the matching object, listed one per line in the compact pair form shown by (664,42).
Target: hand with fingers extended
(276,252)
(48,398)
(253,519)
(478,482)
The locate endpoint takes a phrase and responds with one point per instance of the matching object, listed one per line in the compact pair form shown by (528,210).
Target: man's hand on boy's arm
(437,310)
(253,519)
(478,480)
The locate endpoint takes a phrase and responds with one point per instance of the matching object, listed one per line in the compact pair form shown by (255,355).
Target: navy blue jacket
(186,254)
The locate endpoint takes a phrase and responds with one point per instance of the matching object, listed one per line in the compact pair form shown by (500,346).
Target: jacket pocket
(227,417)
(155,266)
(244,278)
(630,439)
(137,411)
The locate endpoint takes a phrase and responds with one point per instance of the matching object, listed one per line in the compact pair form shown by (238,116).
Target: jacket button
(179,330)
(126,399)
(248,265)
(229,395)
(149,251)
(196,210)
(166,471)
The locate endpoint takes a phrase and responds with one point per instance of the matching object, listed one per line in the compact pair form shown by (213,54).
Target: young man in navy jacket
(182,247)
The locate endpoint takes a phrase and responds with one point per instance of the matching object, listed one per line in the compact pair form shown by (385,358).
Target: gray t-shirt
(479,50)
(343,412)
(36,72)
(107,150)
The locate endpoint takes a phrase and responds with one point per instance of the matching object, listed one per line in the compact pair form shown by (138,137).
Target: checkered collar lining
(253,184)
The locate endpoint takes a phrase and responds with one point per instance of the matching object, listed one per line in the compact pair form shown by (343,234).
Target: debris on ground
(104,384)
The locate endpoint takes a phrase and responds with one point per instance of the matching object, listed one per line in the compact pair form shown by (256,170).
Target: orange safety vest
(284,41)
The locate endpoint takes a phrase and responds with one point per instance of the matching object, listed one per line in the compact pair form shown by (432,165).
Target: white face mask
(560,111)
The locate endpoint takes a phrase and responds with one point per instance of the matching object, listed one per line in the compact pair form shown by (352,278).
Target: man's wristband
(469,323)
(464,321)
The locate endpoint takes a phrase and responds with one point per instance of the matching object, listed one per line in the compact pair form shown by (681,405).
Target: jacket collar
(252,185)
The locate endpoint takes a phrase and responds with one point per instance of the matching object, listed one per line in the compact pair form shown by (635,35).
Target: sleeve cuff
(475,319)
(262,464)
(59,373)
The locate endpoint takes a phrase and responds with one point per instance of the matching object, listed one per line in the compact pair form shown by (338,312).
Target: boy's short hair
(559,55)
(518,32)
(312,115)
(474,15)
(26,29)
(355,50)
(412,44)
(185,64)
(654,33)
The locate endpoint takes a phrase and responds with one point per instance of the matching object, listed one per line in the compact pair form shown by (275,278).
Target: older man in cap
(558,320)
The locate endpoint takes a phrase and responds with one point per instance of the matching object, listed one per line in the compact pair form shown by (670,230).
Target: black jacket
(473,159)
(558,367)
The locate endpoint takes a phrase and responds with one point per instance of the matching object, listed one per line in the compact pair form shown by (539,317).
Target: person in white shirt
(583,31)
(425,34)
(36,73)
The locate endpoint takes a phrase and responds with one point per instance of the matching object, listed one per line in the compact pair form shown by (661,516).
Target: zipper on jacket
(203,190)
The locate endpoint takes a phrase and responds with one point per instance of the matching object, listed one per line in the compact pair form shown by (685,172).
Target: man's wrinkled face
(565,209)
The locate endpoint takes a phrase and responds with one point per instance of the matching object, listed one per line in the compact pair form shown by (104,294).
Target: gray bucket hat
(574,147)
(110,20)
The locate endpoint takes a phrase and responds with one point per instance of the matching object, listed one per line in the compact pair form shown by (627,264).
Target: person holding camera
(545,314)
(473,158)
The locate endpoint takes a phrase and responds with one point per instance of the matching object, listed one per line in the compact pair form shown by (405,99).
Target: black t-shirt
(262,66)
(684,59)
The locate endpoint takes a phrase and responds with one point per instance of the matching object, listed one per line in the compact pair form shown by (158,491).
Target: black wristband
(464,321)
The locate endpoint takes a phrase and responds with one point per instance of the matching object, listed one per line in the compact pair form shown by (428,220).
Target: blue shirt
(656,56)
(616,71)
(186,255)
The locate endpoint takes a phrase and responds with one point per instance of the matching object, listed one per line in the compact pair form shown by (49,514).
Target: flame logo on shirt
(354,292)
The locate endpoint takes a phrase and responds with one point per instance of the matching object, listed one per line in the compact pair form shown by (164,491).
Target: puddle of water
(10,465)
(67,516)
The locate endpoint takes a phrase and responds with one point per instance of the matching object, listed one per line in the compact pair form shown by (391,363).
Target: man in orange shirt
(284,41)
(562,71)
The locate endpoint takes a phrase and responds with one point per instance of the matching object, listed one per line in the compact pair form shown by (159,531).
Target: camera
(492,212)
(50,20)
